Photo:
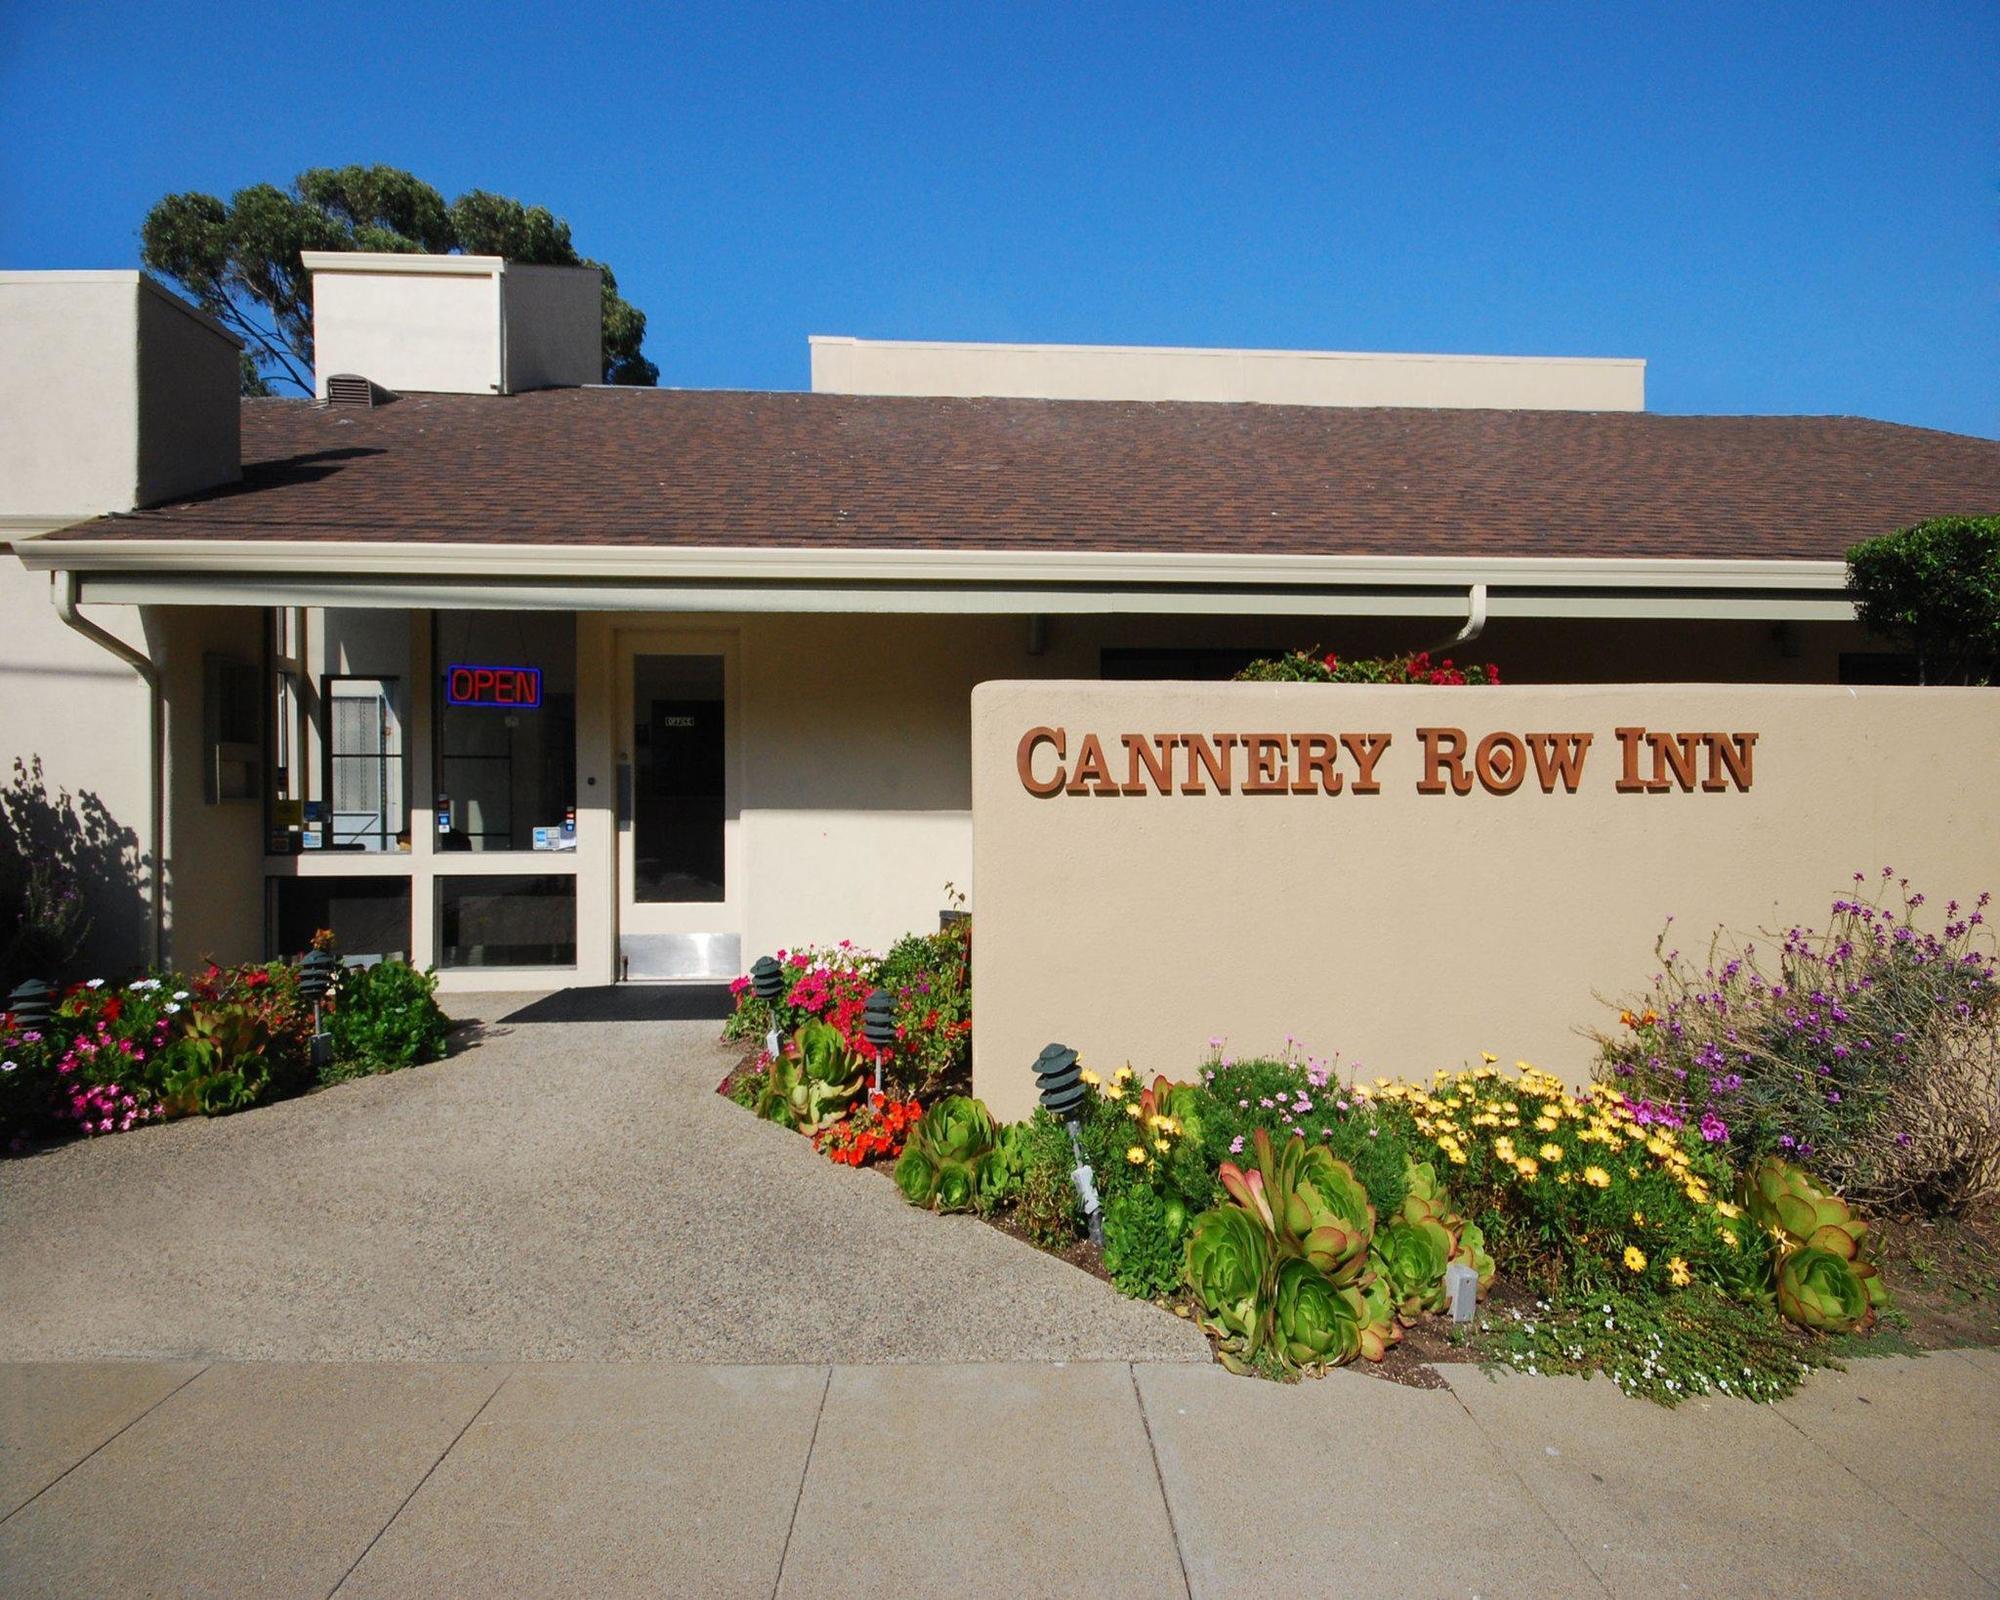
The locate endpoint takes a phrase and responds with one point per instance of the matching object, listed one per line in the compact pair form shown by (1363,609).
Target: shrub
(1146,1136)
(822,985)
(1871,1049)
(1142,1242)
(384,1017)
(1572,1190)
(1046,1208)
(1309,666)
(1286,1096)
(1935,589)
(929,976)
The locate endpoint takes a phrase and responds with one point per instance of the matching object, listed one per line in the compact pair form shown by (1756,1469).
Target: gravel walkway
(557,1192)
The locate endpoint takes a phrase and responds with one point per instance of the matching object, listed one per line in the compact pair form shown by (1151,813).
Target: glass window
(506,730)
(364,764)
(337,707)
(507,920)
(369,917)
(677,778)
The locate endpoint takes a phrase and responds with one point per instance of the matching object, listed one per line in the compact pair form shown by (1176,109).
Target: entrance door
(680,893)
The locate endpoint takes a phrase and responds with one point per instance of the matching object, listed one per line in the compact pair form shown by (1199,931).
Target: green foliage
(1934,588)
(219,1065)
(384,1017)
(1230,1264)
(240,261)
(1309,666)
(1239,1097)
(813,1082)
(1142,1243)
(1823,1278)
(929,976)
(1662,1348)
(943,1165)
(1410,1260)
(1046,1208)
(1315,1323)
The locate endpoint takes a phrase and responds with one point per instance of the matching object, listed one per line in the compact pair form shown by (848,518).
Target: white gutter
(957,568)
(66,597)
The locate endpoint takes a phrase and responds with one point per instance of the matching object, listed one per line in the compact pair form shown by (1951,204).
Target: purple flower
(1713,1128)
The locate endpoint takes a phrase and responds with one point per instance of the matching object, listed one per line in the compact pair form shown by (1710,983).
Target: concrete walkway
(1092,1479)
(557,1192)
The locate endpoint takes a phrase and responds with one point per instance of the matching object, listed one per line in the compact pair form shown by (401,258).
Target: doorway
(680,888)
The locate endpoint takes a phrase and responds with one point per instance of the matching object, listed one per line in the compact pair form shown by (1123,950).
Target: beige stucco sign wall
(1412,875)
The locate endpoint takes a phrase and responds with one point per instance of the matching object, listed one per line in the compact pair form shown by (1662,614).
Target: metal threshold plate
(656,956)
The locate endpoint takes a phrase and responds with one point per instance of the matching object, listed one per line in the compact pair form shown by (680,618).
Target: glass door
(678,889)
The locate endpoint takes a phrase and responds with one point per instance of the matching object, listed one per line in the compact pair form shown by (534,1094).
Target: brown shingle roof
(713,467)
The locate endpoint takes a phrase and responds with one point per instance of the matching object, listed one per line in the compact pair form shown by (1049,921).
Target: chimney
(114,394)
(444,324)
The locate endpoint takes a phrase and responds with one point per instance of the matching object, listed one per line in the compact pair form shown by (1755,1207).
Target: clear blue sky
(1784,208)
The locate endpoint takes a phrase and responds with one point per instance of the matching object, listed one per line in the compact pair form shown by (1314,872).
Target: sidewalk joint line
(805,1471)
(141,1417)
(505,1378)
(1527,1488)
(1160,1478)
(1870,1491)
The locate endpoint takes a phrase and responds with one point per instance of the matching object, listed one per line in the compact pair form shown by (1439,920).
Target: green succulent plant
(945,1158)
(1380,1331)
(1312,1204)
(774,1093)
(1781,1198)
(1822,1289)
(1411,1257)
(1427,1200)
(1822,1277)
(1315,1324)
(813,1083)
(1229,1261)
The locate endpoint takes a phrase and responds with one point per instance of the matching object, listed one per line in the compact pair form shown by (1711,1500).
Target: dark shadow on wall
(72,884)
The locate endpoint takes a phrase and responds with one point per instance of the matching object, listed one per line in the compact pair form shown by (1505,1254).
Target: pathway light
(1059,1076)
(30,1005)
(878,1027)
(767,983)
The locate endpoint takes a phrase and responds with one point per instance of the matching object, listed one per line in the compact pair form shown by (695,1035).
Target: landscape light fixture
(767,983)
(878,1027)
(29,1005)
(1060,1080)
(316,969)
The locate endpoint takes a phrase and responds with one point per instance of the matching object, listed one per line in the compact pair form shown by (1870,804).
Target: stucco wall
(420,332)
(1411,930)
(843,365)
(81,712)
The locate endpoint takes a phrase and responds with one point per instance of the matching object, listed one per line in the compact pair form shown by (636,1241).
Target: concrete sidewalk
(1092,1479)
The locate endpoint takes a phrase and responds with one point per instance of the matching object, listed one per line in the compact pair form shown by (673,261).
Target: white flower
(146,985)
(6,1066)
(180,994)
(95,983)
(170,1008)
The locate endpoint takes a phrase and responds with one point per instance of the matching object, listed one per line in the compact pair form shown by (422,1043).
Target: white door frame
(699,940)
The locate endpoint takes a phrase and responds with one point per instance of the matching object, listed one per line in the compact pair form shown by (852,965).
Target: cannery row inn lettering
(1448,761)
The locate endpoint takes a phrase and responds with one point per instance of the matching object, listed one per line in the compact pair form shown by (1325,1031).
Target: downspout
(1475,620)
(156,795)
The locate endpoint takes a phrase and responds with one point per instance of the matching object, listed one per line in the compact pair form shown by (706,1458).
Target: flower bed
(224,1039)
(1306,1219)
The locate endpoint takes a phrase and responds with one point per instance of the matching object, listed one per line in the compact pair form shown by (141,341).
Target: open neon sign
(516,688)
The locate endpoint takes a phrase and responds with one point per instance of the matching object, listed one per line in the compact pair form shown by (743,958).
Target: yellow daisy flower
(1597,1177)
(1136,1156)
(1552,1153)
(1635,1258)
(1678,1274)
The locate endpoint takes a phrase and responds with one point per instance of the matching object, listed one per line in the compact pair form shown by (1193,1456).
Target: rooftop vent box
(441,324)
(351,389)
